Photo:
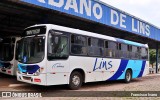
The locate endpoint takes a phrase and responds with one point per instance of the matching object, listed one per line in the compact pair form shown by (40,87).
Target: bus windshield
(31,49)
(6,51)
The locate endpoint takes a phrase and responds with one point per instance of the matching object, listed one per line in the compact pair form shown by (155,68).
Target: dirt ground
(147,83)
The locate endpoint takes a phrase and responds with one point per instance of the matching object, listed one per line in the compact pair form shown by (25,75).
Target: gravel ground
(147,83)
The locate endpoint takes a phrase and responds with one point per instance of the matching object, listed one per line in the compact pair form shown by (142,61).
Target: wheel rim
(128,76)
(76,80)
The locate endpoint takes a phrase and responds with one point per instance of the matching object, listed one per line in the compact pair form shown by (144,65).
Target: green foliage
(152,57)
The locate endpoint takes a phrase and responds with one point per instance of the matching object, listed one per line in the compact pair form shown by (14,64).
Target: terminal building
(89,15)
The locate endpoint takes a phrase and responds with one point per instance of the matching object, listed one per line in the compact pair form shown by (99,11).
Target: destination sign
(35,31)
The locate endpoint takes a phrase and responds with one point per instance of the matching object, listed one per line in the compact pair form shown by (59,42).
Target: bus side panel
(96,69)
(146,70)
(137,67)
(111,69)
(57,78)
(87,65)
(57,72)
(120,69)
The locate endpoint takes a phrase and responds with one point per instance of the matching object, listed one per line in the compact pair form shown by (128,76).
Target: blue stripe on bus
(120,70)
(142,69)
(135,65)
(133,43)
(28,68)
(22,68)
(130,42)
(32,69)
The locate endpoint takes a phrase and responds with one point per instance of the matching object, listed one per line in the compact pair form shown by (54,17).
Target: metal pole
(157,49)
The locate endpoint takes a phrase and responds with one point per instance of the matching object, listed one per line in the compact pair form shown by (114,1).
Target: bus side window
(111,49)
(134,52)
(90,51)
(144,54)
(139,52)
(95,46)
(106,44)
(57,46)
(101,47)
(124,51)
(118,51)
(130,53)
(128,49)
(78,45)
(108,50)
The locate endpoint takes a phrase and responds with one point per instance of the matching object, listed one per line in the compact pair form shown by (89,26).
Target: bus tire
(75,81)
(128,76)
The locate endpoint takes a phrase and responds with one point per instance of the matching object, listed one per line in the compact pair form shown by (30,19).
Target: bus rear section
(8,62)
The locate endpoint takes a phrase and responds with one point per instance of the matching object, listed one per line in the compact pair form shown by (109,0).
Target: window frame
(104,55)
(70,43)
(68,38)
(99,47)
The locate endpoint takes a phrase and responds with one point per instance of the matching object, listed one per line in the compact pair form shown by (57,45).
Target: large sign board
(102,13)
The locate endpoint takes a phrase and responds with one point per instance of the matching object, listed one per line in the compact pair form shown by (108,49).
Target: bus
(8,62)
(55,55)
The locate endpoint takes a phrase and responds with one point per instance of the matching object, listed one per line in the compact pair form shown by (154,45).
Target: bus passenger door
(57,55)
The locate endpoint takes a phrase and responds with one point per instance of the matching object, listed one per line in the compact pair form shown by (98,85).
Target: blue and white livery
(54,55)
(8,62)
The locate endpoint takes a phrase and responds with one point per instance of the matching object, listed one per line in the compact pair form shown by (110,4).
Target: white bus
(8,62)
(54,55)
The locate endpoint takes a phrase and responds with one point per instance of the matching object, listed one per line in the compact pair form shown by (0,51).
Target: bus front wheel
(75,80)
(128,76)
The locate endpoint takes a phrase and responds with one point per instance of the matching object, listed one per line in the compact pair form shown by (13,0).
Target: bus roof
(91,34)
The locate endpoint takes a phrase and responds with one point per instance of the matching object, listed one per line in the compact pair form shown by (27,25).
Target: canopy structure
(88,15)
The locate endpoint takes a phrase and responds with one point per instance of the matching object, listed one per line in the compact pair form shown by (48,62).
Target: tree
(152,57)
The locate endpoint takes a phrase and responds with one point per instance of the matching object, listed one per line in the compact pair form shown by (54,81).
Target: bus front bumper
(7,71)
(37,80)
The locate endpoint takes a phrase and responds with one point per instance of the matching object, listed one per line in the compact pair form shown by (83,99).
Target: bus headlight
(37,73)
(40,70)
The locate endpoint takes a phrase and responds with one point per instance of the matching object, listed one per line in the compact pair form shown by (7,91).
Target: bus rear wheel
(128,76)
(75,80)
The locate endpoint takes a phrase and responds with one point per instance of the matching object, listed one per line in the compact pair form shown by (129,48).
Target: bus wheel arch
(77,77)
(128,75)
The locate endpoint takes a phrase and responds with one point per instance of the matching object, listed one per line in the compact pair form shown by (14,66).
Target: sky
(148,10)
